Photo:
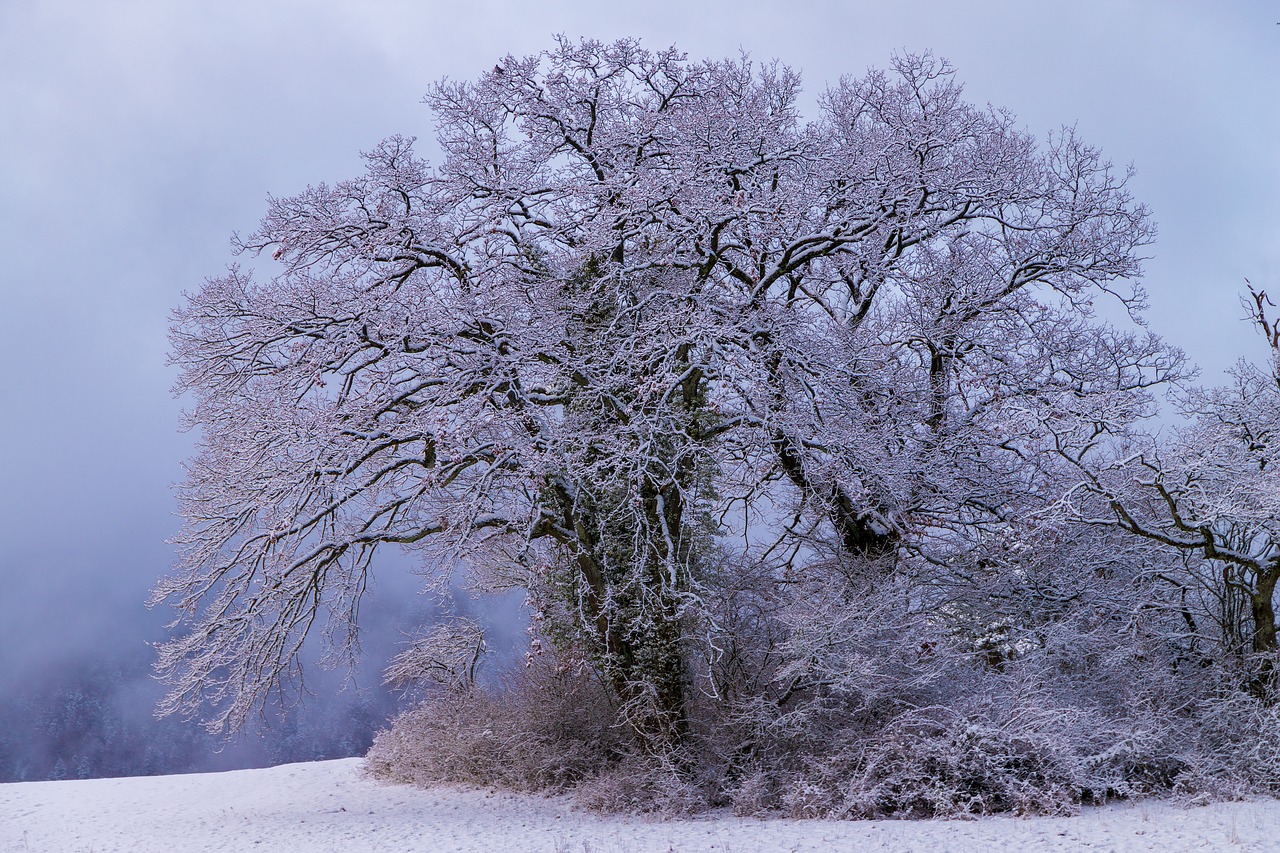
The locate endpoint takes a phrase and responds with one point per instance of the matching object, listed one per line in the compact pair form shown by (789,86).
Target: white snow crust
(331,806)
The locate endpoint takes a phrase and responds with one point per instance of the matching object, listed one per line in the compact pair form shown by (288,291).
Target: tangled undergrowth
(889,731)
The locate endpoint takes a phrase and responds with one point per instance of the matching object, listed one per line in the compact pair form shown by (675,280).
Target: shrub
(548,729)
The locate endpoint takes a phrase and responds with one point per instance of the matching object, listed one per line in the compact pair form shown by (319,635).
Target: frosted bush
(547,731)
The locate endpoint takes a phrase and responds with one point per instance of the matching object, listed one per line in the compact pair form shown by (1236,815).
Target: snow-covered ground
(331,807)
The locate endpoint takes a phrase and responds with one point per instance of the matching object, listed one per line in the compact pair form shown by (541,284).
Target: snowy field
(330,807)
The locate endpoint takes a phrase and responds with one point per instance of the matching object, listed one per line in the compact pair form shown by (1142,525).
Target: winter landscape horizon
(645,429)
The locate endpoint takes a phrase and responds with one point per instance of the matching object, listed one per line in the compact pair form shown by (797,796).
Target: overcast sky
(136,136)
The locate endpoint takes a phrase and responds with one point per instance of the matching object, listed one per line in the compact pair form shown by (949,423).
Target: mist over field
(92,714)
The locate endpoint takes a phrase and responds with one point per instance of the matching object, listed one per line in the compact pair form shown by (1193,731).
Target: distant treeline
(96,719)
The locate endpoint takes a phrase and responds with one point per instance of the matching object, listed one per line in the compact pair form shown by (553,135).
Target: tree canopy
(645,340)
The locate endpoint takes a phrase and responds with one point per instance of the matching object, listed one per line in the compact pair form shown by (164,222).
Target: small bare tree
(1213,492)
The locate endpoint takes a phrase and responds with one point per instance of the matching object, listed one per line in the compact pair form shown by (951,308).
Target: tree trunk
(648,676)
(1262,606)
(638,642)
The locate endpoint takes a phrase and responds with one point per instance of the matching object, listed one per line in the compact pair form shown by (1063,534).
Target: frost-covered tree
(640,325)
(1212,492)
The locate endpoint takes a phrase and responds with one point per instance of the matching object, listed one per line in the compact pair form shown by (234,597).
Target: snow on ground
(331,807)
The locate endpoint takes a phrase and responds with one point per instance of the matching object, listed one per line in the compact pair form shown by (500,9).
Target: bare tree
(639,314)
(1212,492)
